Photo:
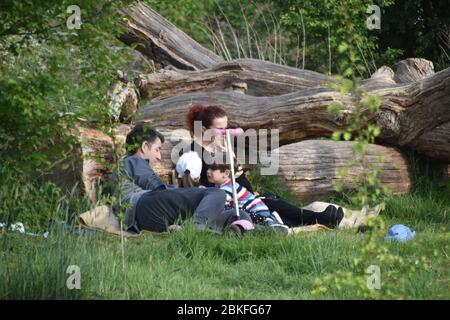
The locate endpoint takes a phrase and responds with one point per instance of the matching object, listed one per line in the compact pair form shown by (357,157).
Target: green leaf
(335,107)
(376,131)
(336,136)
(339,186)
(347,136)
(342,47)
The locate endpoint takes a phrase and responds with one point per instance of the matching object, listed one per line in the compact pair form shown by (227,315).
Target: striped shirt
(246,200)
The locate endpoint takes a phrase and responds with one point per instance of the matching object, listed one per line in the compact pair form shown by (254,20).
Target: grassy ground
(192,265)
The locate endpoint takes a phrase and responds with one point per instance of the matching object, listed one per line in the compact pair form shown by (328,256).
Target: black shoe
(332,216)
(339,216)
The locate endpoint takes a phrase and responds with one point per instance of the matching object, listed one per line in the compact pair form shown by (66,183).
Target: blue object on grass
(400,233)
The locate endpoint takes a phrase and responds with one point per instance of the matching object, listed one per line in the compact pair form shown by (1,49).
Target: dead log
(161,41)
(264,78)
(412,69)
(408,110)
(435,143)
(310,169)
(253,77)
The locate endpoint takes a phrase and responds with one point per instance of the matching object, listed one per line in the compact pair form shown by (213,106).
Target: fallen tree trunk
(412,69)
(407,111)
(264,78)
(435,143)
(88,161)
(250,76)
(161,41)
(310,169)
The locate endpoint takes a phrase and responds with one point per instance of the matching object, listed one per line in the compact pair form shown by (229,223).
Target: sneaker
(339,216)
(275,225)
(277,217)
(334,216)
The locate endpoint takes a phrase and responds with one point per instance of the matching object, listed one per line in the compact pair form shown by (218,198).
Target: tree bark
(412,69)
(250,76)
(435,143)
(97,157)
(408,111)
(310,169)
(161,41)
(264,78)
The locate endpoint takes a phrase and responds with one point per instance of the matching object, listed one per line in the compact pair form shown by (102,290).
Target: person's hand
(239,172)
(220,143)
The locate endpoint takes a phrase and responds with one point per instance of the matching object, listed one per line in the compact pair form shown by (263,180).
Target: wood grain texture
(161,41)
(309,169)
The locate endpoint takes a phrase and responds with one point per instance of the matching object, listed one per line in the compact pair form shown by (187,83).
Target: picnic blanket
(102,218)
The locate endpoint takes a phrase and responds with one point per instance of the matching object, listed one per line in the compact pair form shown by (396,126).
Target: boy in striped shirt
(220,175)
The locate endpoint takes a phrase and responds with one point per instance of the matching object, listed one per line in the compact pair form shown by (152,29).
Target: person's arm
(229,193)
(249,202)
(143,174)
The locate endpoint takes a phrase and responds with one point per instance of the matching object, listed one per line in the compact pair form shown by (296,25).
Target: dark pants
(294,216)
(156,210)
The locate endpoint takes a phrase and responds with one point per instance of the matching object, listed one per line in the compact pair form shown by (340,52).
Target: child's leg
(294,216)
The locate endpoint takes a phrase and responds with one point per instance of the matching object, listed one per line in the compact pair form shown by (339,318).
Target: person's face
(217,177)
(152,152)
(219,123)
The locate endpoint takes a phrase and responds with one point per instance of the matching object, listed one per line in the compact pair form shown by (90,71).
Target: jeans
(156,210)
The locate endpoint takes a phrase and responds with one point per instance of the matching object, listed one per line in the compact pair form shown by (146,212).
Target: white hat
(189,161)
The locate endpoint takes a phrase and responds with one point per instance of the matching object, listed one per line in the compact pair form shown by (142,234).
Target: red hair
(204,113)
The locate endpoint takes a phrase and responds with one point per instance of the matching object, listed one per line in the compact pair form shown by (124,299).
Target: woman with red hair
(209,116)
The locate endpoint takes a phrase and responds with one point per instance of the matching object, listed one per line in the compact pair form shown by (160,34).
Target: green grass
(263,265)
(191,265)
